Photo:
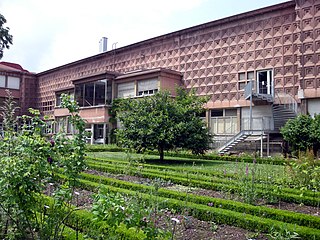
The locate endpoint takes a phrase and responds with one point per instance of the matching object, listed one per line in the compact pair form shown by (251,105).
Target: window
(9,82)
(94,93)
(2,81)
(244,78)
(265,82)
(13,82)
(126,90)
(147,87)
(59,99)
(224,121)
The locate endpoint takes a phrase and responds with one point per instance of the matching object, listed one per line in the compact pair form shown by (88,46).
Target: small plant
(117,209)
(282,234)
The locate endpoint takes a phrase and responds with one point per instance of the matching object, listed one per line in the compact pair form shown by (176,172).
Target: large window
(224,121)
(9,82)
(94,93)
(126,90)
(147,87)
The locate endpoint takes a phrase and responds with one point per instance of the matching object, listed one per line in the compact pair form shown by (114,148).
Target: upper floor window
(244,78)
(9,82)
(147,87)
(126,90)
(94,93)
(59,99)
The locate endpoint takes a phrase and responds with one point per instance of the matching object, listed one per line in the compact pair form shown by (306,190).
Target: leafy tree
(298,132)
(163,123)
(5,37)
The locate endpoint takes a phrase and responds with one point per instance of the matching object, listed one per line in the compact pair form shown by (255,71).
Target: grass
(261,170)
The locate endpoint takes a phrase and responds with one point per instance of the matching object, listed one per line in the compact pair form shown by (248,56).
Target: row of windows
(9,82)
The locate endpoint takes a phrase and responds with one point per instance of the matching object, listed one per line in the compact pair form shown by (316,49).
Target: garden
(58,188)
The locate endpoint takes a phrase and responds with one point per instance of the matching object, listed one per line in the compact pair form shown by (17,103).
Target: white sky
(50,33)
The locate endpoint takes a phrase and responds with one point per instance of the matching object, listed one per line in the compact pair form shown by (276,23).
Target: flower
(247,170)
(50,160)
(210,204)
(176,220)
(52,142)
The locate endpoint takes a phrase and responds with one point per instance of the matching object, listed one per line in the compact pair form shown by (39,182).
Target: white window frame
(269,83)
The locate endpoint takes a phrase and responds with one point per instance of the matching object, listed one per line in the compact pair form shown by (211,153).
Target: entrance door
(100,133)
(265,82)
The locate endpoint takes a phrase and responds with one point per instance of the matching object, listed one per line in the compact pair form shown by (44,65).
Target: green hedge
(276,214)
(219,215)
(189,155)
(286,194)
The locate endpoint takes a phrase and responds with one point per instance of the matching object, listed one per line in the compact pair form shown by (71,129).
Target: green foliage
(5,37)
(282,234)
(301,133)
(305,172)
(161,122)
(29,162)
(119,210)
(242,218)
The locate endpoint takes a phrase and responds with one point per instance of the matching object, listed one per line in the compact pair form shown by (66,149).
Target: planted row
(281,215)
(285,194)
(221,215)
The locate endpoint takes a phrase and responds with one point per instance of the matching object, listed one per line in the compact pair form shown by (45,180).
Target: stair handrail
(287,101)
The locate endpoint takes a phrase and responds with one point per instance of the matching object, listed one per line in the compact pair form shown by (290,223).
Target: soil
(189,228)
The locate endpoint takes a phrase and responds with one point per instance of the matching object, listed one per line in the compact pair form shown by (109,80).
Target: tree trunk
(161,153)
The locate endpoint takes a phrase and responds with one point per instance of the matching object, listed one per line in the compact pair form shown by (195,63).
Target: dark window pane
(100,92)
(88,94)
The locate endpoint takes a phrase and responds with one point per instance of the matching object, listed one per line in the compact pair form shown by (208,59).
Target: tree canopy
(5,37)
(162,122)
(302,133)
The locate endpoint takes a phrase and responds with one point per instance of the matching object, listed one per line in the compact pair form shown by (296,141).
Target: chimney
(103,44)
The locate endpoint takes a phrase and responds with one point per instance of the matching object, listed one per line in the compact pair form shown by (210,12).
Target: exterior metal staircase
(233,141)
(284,107)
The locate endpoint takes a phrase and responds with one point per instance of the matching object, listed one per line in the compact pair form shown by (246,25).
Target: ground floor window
(223,121)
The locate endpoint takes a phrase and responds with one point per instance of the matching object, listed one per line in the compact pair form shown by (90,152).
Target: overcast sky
(50,33)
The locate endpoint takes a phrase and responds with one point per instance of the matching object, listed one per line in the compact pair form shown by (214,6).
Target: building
(260,68)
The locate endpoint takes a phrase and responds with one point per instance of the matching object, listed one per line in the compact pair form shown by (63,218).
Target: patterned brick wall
(211,55)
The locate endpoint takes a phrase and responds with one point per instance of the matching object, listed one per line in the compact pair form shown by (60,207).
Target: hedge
(189,155)
(276,214)
(286,194)
(219,215)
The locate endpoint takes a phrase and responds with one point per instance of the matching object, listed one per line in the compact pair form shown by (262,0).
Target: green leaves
(302,132)
(162,122)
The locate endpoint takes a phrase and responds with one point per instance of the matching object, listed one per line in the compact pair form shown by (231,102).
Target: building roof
(12,67)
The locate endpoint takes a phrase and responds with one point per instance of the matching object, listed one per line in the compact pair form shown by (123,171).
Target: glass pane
(79,94)
(242,76)
(126,90)
(109,91)
(3,81)
(250,75)
(100,92)
(88,94)
(13,82)
(220,126)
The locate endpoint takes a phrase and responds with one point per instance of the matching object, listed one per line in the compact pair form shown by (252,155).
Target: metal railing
(287,101)
(259,124)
